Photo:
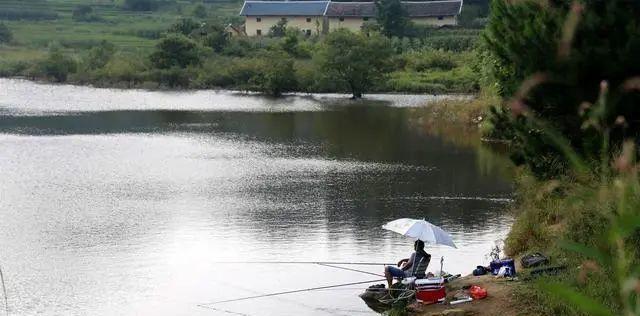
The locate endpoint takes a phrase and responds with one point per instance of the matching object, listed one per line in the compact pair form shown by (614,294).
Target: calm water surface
(126,202)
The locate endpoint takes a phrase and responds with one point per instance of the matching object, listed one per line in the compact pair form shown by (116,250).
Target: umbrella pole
(441,264)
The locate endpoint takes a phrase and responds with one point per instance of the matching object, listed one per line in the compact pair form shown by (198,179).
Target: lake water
(130,202)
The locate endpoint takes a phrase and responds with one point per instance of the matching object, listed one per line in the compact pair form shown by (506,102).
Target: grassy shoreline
(123,86)
(548,215)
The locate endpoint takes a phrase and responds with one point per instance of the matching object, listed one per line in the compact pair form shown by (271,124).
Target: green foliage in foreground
(587,219)
(559,52)
(570,102)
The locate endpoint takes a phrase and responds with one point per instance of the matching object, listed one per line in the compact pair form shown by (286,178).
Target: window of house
(341,19)
(307,32)
(440,18)
(258,32)
(258,19)
(308,20)
(365,19)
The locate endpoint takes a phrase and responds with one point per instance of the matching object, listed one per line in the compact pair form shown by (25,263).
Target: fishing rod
(307,262)
(4,289)
(349,269)
(208,305)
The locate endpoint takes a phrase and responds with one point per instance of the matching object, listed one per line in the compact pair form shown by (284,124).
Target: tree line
(200,53)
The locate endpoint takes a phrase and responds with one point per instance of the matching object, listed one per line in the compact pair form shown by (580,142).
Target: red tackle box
(430,290)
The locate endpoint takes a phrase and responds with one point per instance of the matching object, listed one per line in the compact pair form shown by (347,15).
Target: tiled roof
(284,8)
(356,9)
(346,9)
(433,8)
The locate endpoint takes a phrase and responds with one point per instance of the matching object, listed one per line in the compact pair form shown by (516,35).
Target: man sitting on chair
(414,266)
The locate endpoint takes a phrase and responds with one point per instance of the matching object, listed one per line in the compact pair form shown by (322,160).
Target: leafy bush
(140,5)
(212,35)
(57,65)
(11,69)
(6,36)
(174,77)
(185,26)
(99,56)
(84,13)
(122,68)
(199,11)
(431,59)
(175,50)
(275,74)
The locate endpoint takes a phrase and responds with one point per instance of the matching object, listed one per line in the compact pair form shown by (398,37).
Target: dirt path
(500,300)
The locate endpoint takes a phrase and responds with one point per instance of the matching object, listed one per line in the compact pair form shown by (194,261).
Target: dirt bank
(500,299)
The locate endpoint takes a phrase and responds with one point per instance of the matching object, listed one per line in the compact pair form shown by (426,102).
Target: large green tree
(276,73)
(354,60)
(392,18)
(175,50)
(563,50)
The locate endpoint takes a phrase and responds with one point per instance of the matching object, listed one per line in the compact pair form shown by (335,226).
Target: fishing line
(306,262)
(207,305)
(227,311)
(349,269)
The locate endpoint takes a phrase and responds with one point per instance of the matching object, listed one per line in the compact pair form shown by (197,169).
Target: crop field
(37,23)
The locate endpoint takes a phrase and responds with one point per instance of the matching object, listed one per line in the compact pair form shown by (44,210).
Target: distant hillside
(36,23)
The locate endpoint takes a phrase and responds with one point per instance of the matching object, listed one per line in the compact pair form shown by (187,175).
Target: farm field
(35,24)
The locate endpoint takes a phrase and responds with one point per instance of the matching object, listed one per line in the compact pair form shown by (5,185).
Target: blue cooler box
(497,264)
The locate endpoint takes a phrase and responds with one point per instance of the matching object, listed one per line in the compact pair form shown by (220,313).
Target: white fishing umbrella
(420,229)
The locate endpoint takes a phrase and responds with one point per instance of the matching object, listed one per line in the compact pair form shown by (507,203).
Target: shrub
(175,51)
(275,74)
(239,47)
(6,36)
(99,56)
(11,69)
(84,13)
(430,59)
(58,65)
(174,77)
(122,68)
(140,5)
(185,26)
(212,35)
(199,11)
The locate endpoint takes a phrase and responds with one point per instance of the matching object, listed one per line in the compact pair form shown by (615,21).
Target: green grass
(125,29)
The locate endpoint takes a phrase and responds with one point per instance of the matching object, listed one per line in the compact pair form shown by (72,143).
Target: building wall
(351,23)
(266,22)
(446,20)
(316,25)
